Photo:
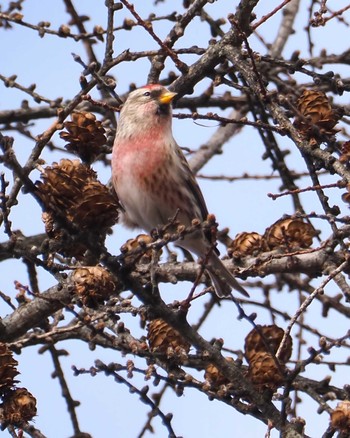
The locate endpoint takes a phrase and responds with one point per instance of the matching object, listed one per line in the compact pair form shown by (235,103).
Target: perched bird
(154,182)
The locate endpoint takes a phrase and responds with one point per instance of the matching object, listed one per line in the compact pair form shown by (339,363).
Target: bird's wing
(189,180)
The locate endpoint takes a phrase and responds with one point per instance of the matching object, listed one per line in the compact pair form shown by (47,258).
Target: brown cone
(93,284)
(19,406)
(289,234)
(8,369)
(345,153)
(340,417)
(134,249)
(264,372)
(245,244)
(71,189)
(164,339)
(267,340)
(214,376)
(85,136)
(316,112)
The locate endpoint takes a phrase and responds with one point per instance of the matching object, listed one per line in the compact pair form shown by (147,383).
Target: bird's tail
(222,279)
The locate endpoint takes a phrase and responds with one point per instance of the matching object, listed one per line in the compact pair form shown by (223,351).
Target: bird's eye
(147,93)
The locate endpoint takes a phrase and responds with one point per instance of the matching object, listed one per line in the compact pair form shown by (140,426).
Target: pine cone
(66,246)
(267,342)
(85,135)
(165,339)
(63,182)
(8,369)
(345,153)
(316,112)
(264,372)
(70,191)
(131,246)
(214,376)
(97,208)
(340,417)
(19,407)
(93,284)
(245,244)
(289,234)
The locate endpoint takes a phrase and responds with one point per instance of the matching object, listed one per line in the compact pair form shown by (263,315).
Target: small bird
(154,182)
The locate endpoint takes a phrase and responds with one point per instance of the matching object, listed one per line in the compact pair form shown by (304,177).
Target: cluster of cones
(73,200)
(265,370)
(286,235)
(267,350)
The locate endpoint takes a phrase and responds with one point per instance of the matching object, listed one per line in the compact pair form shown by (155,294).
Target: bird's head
(149,105)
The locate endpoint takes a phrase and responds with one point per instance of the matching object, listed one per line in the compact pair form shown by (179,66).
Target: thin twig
(71,403)
(148,27)
(306,304)
(339,184)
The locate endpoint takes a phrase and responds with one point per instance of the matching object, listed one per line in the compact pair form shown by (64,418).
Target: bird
(154,182)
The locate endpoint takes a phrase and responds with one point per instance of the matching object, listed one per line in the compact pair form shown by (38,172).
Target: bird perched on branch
(154,182)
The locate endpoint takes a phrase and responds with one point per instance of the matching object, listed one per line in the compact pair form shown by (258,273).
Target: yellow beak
(167,97)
